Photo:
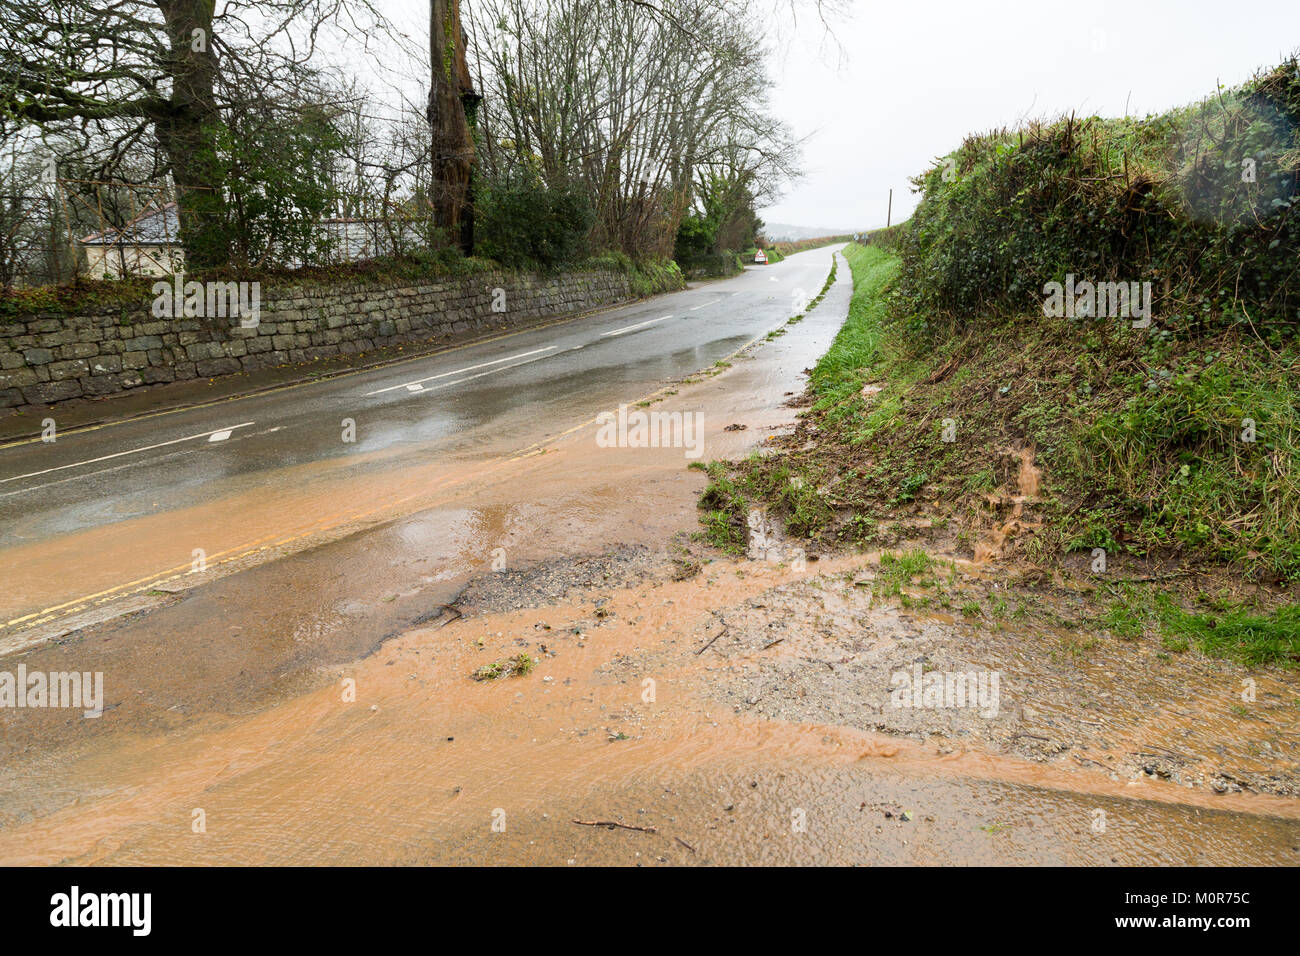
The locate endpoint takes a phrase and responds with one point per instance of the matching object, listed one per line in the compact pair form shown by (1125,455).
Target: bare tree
(122,71)
(630,102)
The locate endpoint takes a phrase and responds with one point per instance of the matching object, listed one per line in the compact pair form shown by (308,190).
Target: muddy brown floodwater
(684,709)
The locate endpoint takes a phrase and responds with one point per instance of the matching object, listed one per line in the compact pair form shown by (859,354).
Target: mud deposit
(625,719)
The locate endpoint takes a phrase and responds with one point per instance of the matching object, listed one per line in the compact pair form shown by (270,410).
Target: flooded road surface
(319,707)
(614,725)
(116,510)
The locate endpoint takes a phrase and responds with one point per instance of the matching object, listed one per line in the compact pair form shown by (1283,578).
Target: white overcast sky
(912,79)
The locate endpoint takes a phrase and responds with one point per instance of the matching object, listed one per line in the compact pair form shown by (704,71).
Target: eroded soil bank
(715,710)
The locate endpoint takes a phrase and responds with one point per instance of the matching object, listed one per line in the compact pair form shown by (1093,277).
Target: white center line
(133,451)
(508,358)
(698,307)
(491,371)
(639,325)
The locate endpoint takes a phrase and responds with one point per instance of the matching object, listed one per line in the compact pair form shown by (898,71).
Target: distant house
(354,238)
(148,245)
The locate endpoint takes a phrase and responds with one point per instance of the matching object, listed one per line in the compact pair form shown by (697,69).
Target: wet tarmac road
(67,508)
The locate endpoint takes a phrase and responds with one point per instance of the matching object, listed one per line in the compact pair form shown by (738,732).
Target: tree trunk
(187,132)
(452,102)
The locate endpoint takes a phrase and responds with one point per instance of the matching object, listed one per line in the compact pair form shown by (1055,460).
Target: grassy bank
(855,350)
(869,466)
(1050,444)
(1147,459)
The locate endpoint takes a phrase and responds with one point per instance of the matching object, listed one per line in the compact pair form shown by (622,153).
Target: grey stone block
(214,367)
(81,350)
(95,385)
(19,377)
(71,369)
(204,350)
(47,392)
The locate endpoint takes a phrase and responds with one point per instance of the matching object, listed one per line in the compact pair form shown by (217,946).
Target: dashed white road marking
(459,371)
(639,325)
(219,436)
(698,307)
(132,451)
(491,371)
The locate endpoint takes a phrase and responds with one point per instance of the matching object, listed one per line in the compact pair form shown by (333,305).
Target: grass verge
(1054,440)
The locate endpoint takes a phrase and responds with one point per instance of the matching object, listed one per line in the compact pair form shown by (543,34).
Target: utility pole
(889,216)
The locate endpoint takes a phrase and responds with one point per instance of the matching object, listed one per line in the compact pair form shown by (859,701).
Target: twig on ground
(714,638)
(614,825)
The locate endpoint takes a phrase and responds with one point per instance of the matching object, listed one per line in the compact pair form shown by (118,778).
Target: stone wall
(52,357)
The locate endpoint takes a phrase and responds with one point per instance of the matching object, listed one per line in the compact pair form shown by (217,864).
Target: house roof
(153,227)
